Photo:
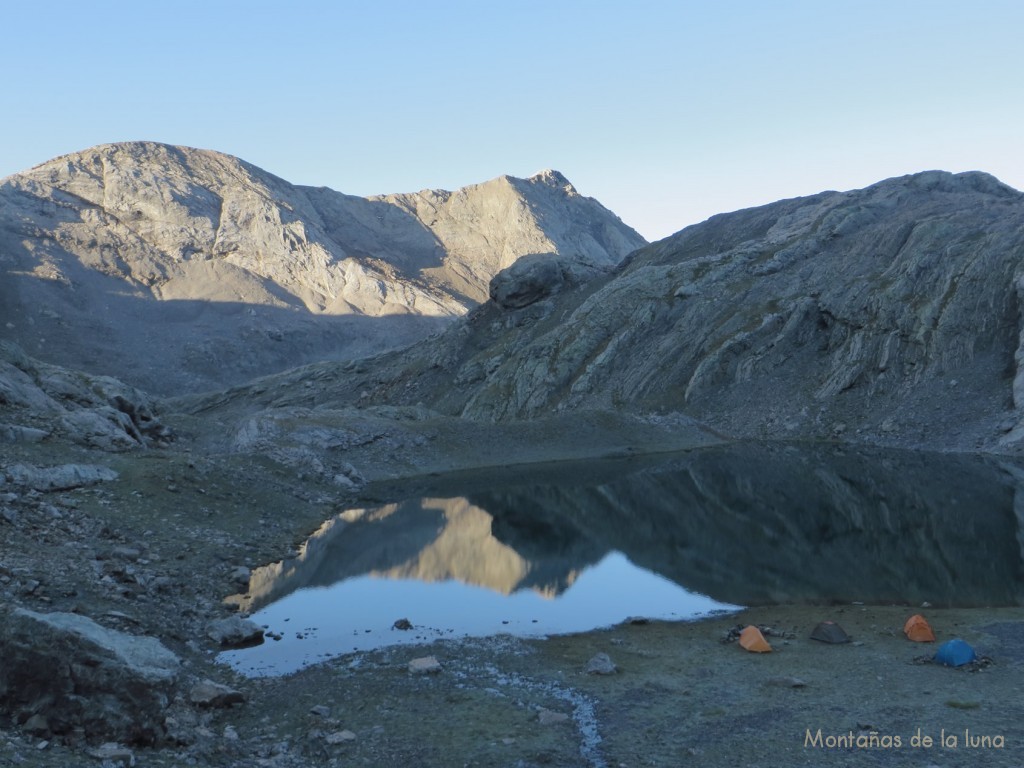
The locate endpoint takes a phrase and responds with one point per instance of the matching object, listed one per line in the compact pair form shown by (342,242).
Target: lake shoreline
(156,552)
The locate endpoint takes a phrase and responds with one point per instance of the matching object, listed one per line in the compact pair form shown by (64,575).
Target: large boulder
(235,632)
(67,673)
(539,276)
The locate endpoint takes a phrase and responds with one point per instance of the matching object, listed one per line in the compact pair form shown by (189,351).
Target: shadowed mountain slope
(889,314)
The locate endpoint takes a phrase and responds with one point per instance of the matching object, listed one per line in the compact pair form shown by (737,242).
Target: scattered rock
(733,634)
(601,664)
(403,624)
(207,693)
(320,710)
(547,717)
(113,753)
(538,276)
(348,477)
(339,737)
(786,682)
(126,553)
(235,632)
(37,725)
(425,665)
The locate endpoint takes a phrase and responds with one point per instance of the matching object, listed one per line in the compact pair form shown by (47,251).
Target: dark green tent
(830,632)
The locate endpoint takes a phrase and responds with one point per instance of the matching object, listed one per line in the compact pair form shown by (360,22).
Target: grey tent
(830,632)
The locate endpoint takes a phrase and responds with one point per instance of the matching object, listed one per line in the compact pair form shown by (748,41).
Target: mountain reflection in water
(747,524)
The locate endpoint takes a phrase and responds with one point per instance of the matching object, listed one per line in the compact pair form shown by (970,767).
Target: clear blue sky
(667,112)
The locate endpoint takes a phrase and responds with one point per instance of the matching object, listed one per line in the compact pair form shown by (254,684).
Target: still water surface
(579,547)
(359,613)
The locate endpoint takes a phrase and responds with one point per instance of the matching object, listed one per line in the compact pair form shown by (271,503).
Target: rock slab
(78,674)
(60,478)
(235,632)
(207,693)
(601,664)
(425,665)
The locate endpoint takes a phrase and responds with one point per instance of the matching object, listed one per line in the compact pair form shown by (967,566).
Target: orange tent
(917,629)
(752,639)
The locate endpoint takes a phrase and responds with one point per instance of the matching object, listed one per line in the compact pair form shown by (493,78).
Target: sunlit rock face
(177,268)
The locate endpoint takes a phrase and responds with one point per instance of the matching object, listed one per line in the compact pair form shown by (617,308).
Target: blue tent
(955,653)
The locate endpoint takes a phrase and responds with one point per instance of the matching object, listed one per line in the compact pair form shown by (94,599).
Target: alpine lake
(571,547)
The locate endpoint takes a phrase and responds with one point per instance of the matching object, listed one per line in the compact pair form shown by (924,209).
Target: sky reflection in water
(359,613)
(747,524)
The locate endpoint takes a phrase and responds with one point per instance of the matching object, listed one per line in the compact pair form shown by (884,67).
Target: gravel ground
(156,551)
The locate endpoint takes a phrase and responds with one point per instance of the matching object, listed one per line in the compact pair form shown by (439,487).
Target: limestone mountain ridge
(184,269)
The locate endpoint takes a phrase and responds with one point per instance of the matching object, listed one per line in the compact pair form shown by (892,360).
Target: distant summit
(554,179)
(178,268)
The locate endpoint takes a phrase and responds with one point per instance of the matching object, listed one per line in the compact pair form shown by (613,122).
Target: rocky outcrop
(536,277)
(889,314)
(209,694)
(65,672)
(235,632)
(59,478)
(40,401)
(176,268)
(892,310)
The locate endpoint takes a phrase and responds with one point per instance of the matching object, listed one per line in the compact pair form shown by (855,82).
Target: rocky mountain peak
(554,179)
(118,251)
(944,181)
